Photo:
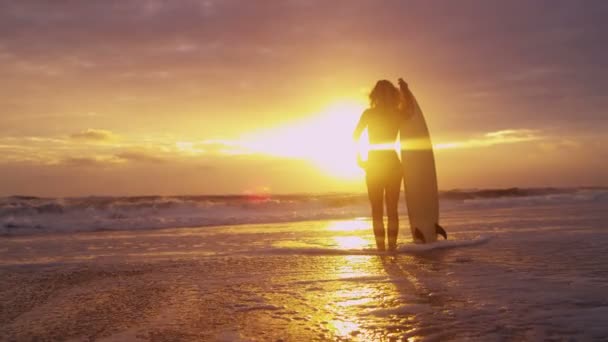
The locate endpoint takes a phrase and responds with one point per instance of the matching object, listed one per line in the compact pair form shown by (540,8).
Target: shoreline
(313,281)
(54,216)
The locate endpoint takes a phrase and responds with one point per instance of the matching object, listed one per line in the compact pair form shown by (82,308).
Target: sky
(151,97)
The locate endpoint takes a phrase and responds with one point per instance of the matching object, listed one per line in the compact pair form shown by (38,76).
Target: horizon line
(279,194)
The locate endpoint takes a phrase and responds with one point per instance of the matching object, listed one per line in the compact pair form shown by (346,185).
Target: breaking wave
(27,214)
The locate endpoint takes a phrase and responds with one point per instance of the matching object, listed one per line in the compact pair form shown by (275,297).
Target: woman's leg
(375,192)
(393,191)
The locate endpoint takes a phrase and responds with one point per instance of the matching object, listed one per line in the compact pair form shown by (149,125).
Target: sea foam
(31,215)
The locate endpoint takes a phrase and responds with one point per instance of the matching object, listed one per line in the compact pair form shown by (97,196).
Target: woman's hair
(385,95)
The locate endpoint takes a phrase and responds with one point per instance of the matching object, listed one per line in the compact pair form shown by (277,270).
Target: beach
(214,170)
(530,268)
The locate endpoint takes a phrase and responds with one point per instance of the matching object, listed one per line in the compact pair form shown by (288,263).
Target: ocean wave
(509,192)
(28,214)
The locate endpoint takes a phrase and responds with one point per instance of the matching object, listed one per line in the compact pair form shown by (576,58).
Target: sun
(325,139)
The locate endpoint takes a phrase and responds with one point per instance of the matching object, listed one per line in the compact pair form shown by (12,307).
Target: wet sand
(297,282)
(203,296)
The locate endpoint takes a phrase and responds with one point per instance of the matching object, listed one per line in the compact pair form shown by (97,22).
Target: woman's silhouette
(388,109)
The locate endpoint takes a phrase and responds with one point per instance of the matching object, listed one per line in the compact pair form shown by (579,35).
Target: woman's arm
(407,100)
(361,125)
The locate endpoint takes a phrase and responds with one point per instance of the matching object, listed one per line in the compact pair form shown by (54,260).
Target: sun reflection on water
(350,225)
(354,297)
(344,328)
(351,294)
(350,242)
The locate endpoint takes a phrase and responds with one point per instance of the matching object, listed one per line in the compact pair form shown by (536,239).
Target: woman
(388,108)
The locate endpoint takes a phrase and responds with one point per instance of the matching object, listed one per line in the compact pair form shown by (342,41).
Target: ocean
(33,215)
(519,264)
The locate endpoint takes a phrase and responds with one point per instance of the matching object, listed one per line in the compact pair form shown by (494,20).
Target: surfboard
(420,178)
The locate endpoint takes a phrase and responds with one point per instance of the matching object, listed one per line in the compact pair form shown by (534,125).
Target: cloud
(94,135)
(83,161)
(132,156)
(513,135)
(211,147)
(506,136)
(138,156)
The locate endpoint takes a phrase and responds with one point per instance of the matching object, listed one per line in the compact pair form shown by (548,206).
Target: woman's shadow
(421,296)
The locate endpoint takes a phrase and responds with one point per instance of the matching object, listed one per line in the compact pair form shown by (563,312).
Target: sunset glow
(216,97)
(323,139)
(303,170)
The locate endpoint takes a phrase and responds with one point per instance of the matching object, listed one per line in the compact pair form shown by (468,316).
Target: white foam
(541,276)
(409,248)
(34,216)
(24,215)
(442,244)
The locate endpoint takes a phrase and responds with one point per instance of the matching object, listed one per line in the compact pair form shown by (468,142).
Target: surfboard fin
(439,230)
(418,235)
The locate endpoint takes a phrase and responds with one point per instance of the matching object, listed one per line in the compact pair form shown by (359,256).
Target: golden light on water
(351,242)
(346,226)
(343,328)
(354,297)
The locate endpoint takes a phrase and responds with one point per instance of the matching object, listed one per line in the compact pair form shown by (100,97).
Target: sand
(502,277)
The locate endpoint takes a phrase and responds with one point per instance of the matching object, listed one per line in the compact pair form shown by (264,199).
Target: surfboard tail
(440,231)
(418,235)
